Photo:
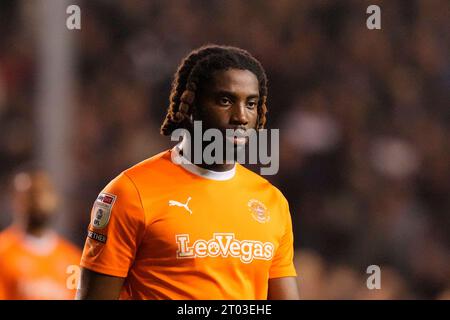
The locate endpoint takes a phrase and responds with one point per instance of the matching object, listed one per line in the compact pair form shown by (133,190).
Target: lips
(239,136)
(240,133)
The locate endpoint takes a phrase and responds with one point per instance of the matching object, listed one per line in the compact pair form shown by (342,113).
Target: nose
(239,115)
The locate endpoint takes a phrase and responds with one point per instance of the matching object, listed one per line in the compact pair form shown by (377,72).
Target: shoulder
(127,182)
(262,190)
(255,180)
(122,198)
(157,163)
(8,238)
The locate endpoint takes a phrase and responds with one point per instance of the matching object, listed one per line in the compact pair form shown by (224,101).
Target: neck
(37,230)
(217,167)
(188,144)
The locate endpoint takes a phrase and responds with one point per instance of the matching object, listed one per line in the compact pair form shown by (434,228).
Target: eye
(224,101)
(252,104)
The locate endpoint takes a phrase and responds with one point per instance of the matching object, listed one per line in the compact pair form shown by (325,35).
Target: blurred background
(364,119)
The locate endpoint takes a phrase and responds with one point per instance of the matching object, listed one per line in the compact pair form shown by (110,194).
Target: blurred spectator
(34,259)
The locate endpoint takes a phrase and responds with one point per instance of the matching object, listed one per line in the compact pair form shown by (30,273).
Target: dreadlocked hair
(195,71)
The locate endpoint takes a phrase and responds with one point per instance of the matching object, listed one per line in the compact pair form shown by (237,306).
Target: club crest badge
(259,211)
(101,212)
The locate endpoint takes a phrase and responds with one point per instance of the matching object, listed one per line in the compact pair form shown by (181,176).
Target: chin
(40,219)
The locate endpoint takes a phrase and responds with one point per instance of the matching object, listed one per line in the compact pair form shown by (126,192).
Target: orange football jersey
(178,231)
(36,268)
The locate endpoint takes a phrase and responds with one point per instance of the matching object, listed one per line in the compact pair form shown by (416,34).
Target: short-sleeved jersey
(36,268)
(178,231)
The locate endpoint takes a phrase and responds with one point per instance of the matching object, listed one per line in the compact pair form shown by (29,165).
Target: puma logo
(179,204)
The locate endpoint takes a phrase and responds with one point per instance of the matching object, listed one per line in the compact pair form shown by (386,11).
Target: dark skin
(34,201)
(229,102)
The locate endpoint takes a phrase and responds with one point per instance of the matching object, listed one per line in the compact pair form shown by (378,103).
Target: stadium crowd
(364,121)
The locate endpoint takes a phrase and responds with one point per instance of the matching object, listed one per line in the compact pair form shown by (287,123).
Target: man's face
(35,197)
(230,101)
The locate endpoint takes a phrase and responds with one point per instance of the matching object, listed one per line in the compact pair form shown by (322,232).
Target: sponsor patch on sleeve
(97,236)
(101,212)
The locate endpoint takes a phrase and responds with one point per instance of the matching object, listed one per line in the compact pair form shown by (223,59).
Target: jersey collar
(178,159)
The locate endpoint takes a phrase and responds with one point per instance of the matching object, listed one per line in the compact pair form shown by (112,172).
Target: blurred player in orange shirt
(170,229)
(34,260)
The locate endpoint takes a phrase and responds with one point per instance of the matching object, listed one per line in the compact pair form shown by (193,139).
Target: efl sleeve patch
(101,212)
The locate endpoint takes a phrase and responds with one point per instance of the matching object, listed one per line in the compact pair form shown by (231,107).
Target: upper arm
(3,290)
(116,229)
(97,286)
(283,260)
(8,280)
(282,274)
(284,288)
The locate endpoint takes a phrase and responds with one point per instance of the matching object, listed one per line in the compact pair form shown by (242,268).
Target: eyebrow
(231,94)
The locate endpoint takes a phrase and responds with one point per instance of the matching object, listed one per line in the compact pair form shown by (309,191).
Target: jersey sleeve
(7,283)
(283,261)
(116,228)
(3,286)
